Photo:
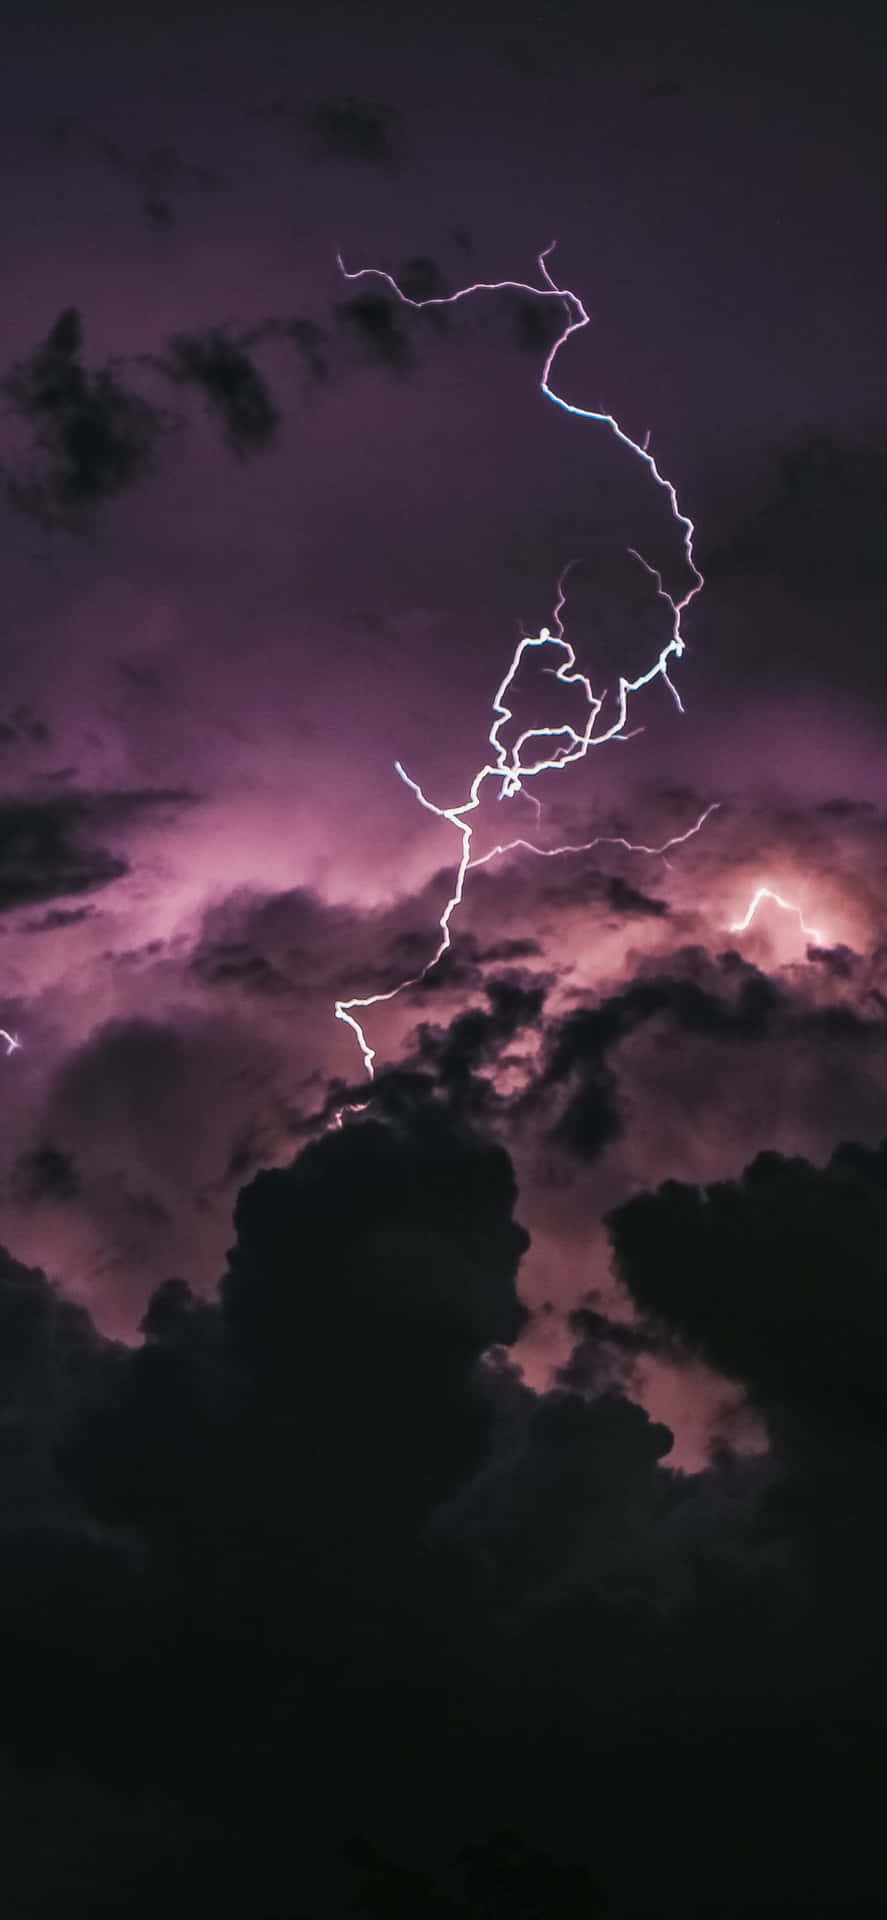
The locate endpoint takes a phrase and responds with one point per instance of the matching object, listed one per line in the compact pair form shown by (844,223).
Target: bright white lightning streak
(12,1044)
(816,938)
(509,768)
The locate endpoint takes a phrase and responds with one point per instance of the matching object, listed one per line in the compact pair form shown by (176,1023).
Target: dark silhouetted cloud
(353,129)
(323,1513)
(780,1243)
(422,279)
(45,1173)
(52,847)
(474,1041)
(232,385)
(94,438)
(23,727)
(373,320)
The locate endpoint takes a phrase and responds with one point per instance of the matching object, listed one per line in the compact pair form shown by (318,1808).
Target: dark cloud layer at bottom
(311,1561)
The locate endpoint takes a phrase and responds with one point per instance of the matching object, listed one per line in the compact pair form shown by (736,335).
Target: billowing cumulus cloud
(784,1338)
(317,1487)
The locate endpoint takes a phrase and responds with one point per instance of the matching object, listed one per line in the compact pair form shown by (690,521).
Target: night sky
(498,1447)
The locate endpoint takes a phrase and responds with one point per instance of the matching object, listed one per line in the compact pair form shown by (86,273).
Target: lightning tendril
(564,744)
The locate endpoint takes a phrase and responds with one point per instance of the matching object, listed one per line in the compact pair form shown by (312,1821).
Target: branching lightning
(600,840)
(510,768)
(12,1044)
(811,934)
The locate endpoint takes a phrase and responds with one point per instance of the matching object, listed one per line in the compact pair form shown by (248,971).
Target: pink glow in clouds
(812,934)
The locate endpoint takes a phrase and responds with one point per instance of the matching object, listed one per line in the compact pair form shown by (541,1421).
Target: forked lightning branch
(542,749)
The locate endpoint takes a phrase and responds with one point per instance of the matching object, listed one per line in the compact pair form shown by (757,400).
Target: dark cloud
(159,214)
(49,1346)
(422,279)
(606,1351)
(310,340)
(577,884)
(628,901)
(24,727)
(845,809)
(45,852)
(554,1510)
(399,1185)
(781,1241)
(474,1040)
(406,957)
(373,319)
(235,963)
(503,952)
(727,1008)
(322,1515)
(348,128)
(234,388)
(296,943)
(288,941)
(45,1173)
(366,1280)
(94,438)
(53,847)
(163,1116)
(780,1275)
(591,1119)
(353,129)
(537,324)
(58,917)
(157,167)
(736,1001)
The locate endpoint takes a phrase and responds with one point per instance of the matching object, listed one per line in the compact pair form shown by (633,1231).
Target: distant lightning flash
(12,1044)
(812,934)
(510,768)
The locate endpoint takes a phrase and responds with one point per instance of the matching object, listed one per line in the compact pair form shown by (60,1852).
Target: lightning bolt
(12,1044)
(564,745)
(812,934)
